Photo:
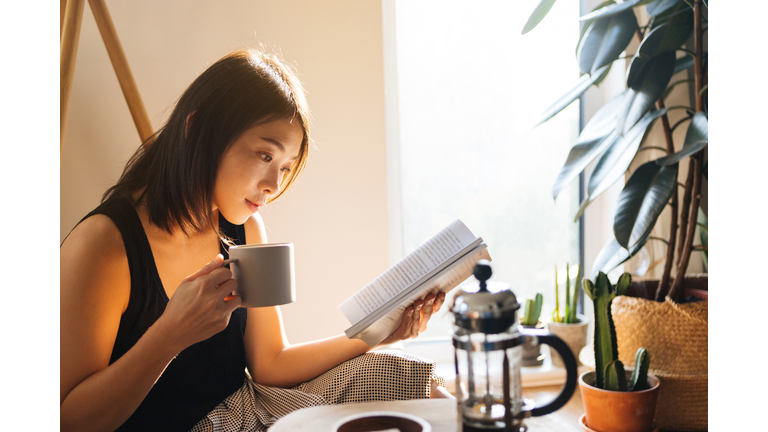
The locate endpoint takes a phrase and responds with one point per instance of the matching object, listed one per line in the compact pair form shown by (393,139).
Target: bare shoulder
(255,230)
(93,258)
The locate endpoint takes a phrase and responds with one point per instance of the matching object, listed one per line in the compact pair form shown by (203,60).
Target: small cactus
(571,298)
(533,310)
(639,379)
(609,371)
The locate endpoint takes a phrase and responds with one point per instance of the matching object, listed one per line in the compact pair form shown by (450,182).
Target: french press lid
(489,307)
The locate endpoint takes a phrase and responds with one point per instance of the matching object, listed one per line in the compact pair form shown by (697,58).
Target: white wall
(337,213)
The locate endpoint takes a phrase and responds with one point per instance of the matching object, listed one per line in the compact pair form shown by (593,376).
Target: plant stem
(653,148)
(687,109)
(665,275)
(680,121)
(676,292)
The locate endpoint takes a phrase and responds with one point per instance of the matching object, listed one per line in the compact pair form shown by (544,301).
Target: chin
(236,218)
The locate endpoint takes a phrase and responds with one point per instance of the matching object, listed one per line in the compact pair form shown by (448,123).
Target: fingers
(426,311)
(416,321)
(208,268)
(439,300)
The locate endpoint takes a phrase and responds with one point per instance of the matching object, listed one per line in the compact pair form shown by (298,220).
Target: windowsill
(441,352)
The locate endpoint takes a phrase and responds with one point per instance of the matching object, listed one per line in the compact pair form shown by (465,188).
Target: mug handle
(547,338)
(229,261)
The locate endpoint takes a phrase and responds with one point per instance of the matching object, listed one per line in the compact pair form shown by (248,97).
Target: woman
(151,337)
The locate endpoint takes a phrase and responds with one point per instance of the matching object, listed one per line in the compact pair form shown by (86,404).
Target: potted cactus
(568,325)
(532,353)
(613,398)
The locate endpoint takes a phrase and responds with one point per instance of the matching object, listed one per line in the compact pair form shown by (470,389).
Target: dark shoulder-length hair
(174,171)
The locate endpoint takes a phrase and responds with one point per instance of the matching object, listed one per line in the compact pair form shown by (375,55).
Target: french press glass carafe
(488,344)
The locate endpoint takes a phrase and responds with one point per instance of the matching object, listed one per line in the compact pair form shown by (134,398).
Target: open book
(440,264)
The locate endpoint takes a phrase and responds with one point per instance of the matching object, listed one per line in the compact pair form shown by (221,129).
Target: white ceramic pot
(574,335)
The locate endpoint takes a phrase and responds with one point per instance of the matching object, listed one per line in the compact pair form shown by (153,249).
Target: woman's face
(253,167)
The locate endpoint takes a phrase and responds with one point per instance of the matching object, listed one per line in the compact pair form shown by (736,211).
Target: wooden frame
(71,19)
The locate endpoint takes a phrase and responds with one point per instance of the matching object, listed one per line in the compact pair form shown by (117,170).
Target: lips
(253,206)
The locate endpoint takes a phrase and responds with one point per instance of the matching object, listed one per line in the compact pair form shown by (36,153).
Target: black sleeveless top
(202,375)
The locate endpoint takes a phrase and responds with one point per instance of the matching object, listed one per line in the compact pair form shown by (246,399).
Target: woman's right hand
(202,305)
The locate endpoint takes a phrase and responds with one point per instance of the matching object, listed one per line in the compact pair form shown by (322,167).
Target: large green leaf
(593,140)
(660,6)
(585,24)
(653,44)
(677,24)
(584,83)
(604,40)
(614,162)
(612,9)
(696,138)
(612,255)
(641,202)
(649,86)
(538,14)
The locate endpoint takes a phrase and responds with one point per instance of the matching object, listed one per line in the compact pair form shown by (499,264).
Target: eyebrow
(278,145)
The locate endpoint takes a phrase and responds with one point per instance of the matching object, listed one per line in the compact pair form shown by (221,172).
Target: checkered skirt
(375,376)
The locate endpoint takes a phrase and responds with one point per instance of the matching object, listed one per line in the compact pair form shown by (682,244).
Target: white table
(440,413)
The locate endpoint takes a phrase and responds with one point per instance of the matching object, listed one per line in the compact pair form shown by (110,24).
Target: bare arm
(95,288)
(273,361)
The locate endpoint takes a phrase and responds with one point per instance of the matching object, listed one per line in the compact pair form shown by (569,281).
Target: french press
(488,344)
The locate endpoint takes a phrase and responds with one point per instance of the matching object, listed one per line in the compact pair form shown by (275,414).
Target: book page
(430,255)
(458,273)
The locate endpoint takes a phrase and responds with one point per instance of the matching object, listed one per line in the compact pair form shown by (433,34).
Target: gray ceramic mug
(264,273)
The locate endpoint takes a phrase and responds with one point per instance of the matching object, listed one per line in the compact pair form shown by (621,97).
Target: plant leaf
(584,83)
(538,14)
(641,202)
(696,138)
(678,26)
(592,141)
(612,255)
(660,6)
(646,91)
(604,40)
(611,10)
(613,163)
(585,24)
(683,63)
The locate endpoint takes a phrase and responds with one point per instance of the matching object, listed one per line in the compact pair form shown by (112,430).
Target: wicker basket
(676,337)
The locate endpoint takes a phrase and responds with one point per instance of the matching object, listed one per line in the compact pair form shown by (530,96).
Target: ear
(188,123)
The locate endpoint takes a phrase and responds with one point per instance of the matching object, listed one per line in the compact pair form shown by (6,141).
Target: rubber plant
(617,131)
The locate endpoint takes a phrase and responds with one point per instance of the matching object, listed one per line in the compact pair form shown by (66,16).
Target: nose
(270,183)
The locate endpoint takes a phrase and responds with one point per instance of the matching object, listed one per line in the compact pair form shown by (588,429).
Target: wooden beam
(62,8)
(123,71)
(70,35)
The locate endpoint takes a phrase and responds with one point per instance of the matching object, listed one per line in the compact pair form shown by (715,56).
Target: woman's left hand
(415,318)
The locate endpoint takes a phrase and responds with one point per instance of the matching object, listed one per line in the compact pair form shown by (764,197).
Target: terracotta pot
(574,335)
(614,411)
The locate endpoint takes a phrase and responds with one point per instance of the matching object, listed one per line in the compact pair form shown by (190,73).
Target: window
(464,89)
